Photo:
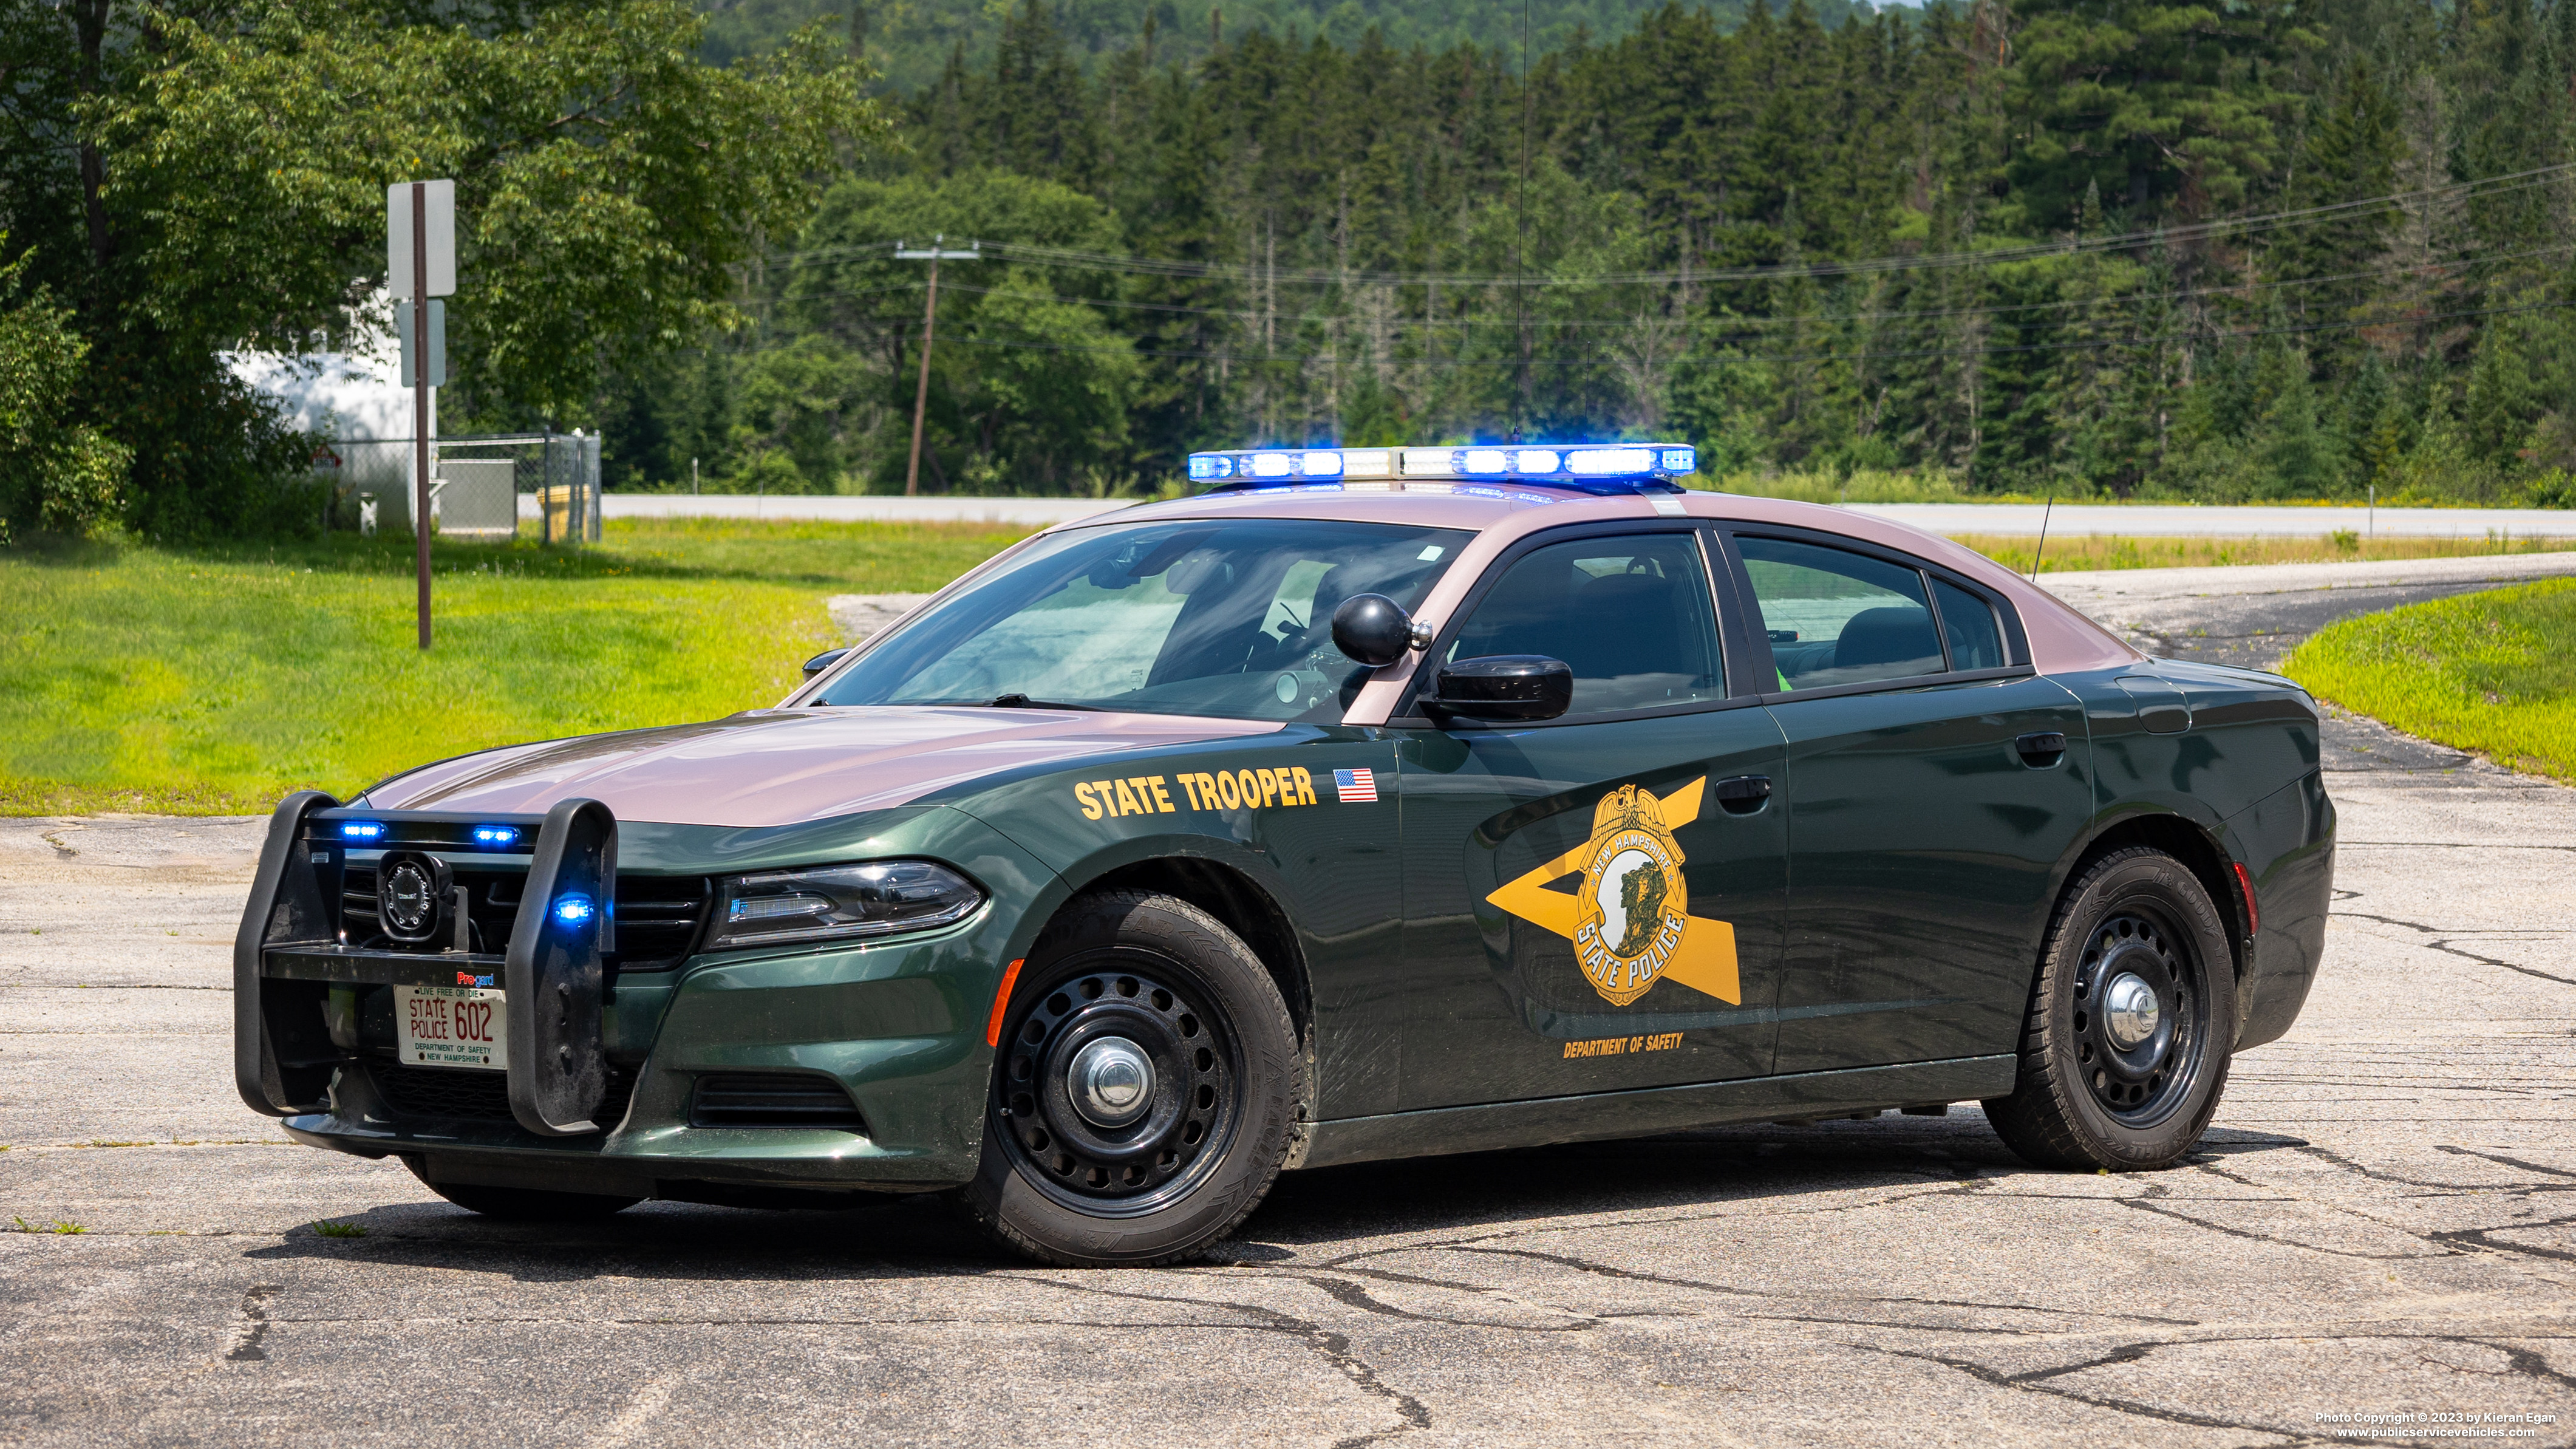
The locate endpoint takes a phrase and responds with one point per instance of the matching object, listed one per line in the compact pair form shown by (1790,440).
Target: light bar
(1573,465)
(496,836)
(360,830)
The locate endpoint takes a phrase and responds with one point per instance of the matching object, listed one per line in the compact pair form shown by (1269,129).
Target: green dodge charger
(1368,803)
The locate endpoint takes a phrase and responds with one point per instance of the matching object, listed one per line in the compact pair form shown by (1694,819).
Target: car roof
(2062,640)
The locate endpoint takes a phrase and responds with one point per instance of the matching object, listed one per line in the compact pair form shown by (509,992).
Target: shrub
(55,473)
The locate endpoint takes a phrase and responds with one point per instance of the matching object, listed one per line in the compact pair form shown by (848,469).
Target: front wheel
(1146,1089)
(2125,1050)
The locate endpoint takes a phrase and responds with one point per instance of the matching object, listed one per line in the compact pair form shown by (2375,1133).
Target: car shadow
(1311,1217)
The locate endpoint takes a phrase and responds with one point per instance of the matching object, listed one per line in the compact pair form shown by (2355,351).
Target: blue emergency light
(1589,467)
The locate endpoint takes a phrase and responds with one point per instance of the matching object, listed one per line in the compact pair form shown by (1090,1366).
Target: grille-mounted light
(361,830)
(574,909)
(496,836)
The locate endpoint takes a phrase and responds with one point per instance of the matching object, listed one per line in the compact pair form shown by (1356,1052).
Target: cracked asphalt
(2382,1221)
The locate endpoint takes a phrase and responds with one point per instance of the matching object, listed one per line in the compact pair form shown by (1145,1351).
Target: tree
(2161,105)
(55,474)
(229,158)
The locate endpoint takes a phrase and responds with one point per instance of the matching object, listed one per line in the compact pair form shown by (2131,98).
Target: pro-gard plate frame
(289,952)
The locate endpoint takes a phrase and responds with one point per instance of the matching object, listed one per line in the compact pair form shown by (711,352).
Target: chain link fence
(483,489)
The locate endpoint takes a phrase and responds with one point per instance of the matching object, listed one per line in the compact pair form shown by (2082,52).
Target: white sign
(439,211)
(437,376)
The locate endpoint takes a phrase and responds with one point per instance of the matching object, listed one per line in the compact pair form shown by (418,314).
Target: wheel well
(1245,909)
(2184,841)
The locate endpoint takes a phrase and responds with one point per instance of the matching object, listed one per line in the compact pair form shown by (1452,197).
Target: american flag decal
(1355,787)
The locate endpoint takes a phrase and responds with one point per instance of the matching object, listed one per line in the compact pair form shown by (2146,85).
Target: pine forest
(2266,249)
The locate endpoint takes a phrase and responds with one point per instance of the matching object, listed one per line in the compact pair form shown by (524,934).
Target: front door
(1594,902)
(1932,792)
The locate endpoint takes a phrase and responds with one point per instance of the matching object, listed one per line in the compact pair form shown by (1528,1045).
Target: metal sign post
(929,325)
(420,263)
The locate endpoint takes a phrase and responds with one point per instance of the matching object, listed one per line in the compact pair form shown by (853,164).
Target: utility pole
(929,324)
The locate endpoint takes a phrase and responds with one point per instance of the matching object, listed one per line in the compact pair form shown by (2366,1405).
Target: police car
(1369,803)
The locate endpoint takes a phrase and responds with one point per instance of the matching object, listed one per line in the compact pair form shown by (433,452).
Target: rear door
(1584,909)
(1933,787)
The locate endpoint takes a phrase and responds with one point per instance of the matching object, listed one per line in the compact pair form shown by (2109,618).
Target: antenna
(2043,535)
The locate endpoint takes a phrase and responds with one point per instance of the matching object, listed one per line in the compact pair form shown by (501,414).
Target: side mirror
(1374,630)
(1505,687)
(823,661)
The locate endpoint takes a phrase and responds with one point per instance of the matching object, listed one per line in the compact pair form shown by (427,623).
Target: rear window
(1838,617)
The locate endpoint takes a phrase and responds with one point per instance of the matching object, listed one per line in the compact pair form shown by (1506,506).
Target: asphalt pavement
(2380,1223)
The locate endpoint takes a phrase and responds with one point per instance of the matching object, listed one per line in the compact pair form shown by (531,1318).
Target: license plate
(451,1026)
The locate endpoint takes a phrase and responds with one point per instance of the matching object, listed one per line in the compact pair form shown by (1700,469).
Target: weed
(2345,541)
(60,1228)
(340,1230)
(116,1142)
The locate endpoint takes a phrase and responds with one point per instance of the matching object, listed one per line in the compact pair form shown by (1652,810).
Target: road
(2064,521)
(2382,1220)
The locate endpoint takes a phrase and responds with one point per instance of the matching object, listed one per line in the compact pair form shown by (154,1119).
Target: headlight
(841,901)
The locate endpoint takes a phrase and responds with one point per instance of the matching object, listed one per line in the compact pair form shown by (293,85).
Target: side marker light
(2253,916)
(1002,1002)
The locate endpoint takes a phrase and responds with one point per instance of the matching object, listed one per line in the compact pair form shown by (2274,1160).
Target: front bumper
(896,1024)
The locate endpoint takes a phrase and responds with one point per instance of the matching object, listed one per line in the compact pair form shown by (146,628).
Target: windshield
(1233,620)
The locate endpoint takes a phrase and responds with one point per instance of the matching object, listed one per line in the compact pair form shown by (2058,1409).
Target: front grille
(744,1099)
(445,1092)
(658,917)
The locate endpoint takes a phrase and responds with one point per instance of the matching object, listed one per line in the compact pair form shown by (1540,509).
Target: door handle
(2041,750)
(1743,794)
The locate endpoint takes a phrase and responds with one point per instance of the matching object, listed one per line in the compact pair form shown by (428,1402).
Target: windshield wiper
(1022,701)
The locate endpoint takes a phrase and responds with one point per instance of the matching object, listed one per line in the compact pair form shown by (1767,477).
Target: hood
(785,766)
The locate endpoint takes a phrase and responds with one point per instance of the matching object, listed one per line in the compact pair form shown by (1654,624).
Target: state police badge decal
(1633,898)
(1629,918)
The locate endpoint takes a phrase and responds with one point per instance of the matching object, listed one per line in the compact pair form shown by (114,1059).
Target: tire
(2102,1088)
(1171,1018)
(526,1205)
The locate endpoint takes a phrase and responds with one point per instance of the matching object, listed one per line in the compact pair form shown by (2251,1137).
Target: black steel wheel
(2125,1050)
(1145,1089)
(1119,1089)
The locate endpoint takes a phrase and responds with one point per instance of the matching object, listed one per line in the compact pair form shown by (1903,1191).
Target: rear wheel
(1145,1092)
(2125,1051)
(526,1205)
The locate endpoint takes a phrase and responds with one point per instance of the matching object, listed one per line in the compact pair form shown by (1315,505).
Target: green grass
(2493,672)
(2072,553)
(214,681)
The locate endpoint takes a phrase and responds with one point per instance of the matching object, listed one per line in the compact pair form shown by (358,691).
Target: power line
(1760,325)
(1866,354)
(1074,259)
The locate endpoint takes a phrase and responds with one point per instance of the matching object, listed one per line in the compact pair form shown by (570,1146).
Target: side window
(1968,624)
(1630,615)
(1837,617)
